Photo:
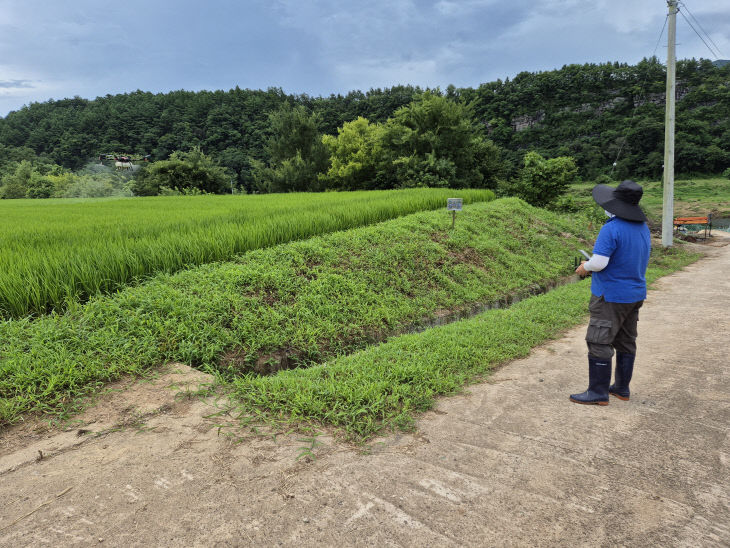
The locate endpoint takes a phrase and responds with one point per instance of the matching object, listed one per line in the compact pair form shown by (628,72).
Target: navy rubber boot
(599,377)
(622,377)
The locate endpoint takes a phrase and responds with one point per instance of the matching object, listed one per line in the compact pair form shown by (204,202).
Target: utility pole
(668,205)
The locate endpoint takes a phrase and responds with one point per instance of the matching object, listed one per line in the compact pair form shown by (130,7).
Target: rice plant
(305,303)
(54,252)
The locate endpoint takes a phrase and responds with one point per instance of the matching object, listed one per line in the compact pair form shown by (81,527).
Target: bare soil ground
(509,463)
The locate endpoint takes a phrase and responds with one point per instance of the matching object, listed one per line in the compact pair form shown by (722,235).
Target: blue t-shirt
(627,244)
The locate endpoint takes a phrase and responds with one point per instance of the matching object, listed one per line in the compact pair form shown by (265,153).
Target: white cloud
(432,71)
(461,7)
(614,29)
(321,14)
(628,16)
(706,6)
(387,73)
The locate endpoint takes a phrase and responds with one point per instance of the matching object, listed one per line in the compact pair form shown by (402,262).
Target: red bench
(707,221)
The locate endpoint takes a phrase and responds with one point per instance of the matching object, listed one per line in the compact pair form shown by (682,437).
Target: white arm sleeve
(597,263)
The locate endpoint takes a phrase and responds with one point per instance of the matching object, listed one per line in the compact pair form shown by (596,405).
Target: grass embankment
(385,385)
(53,252)
(692,198)
(301,303)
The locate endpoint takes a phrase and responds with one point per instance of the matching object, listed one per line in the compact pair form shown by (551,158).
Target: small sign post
(453,205)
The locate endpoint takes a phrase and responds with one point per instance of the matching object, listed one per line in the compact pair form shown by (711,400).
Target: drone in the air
(123,161)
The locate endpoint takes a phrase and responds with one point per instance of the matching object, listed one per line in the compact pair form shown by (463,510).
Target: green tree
(40,186)
(238,162)
(15,184)
(356,156)
(295,151)
(435,141)
(183,172)
(595,113)
(541,182)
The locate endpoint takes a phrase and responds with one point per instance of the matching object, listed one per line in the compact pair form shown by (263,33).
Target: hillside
(591,112)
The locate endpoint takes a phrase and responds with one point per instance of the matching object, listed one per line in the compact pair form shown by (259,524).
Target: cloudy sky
(61,48)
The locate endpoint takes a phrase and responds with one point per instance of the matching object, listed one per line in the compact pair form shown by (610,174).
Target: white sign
(453,204)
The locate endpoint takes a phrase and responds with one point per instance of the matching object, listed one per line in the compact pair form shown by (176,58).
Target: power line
(643,89)
(661,33)
(701,28)
(698,35)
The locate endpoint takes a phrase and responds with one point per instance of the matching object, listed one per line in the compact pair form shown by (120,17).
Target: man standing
(618,289)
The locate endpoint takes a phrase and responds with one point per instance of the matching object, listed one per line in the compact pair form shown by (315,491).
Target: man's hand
(582,272)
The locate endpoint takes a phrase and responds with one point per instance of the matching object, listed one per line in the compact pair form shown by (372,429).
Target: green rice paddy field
(314,324)
(53,252)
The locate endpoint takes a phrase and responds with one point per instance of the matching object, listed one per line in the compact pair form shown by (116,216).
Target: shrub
(40,186)
(540,181)
(183,172)
(15,185)
(604,179)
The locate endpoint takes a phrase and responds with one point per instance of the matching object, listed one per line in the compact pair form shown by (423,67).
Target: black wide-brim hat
(622,201)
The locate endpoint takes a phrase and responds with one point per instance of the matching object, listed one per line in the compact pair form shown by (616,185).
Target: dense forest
(596,114)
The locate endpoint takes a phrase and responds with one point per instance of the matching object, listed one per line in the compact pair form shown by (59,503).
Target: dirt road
(511,462)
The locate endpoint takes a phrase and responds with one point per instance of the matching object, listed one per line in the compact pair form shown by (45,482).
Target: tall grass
(384,386)
(315,300)
(305,301)
(55,252)
(692,197)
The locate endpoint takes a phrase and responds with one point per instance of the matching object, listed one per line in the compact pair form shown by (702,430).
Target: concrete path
(511,463)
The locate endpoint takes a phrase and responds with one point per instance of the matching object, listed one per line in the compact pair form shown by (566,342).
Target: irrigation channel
(721,224)
(693,232)
(447,317)
(281,359)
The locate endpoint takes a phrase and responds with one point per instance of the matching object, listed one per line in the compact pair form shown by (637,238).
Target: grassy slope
(692,197)
(312,299)
(53,251)
(385,385)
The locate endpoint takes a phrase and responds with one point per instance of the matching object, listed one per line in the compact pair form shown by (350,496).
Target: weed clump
(302,304)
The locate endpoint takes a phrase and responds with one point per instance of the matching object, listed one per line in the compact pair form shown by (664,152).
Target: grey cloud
(319,46)
(15,84)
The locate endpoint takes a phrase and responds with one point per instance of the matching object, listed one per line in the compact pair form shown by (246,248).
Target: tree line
(263,141)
